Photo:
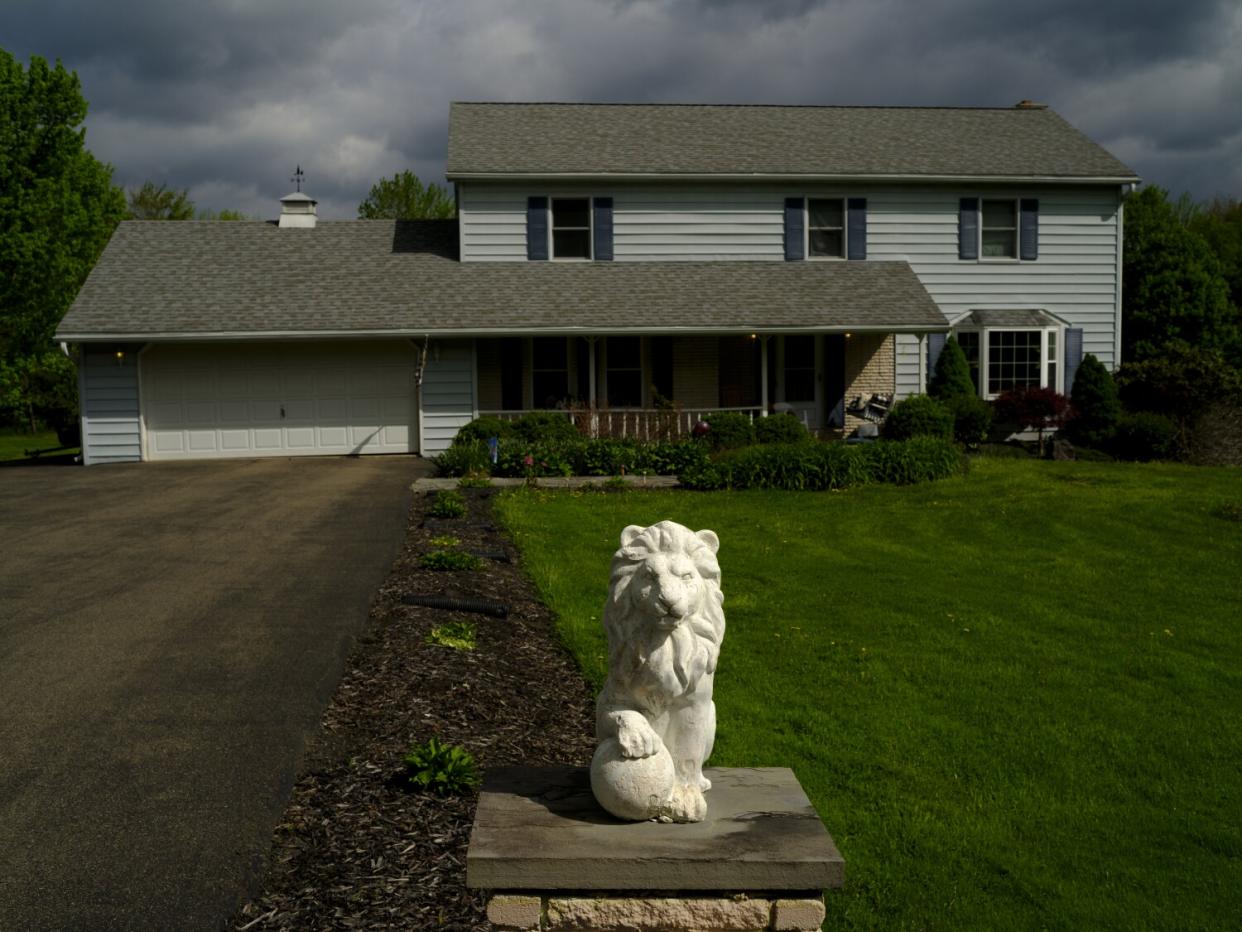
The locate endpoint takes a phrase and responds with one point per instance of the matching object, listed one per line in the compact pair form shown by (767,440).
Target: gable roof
(550,139)
(160,280)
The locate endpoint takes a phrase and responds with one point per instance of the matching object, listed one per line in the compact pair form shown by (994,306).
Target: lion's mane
(666,664)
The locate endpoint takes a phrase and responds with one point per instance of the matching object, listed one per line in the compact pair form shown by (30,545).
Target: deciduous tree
(58,206)
(404,197)
(1172,291)
(159,202)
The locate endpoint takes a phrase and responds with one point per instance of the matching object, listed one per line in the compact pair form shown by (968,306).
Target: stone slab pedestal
(551,858)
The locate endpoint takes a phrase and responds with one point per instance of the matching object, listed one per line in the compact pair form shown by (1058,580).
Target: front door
(800,388)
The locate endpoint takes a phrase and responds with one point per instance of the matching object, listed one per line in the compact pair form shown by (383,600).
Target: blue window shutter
(935,345)
(1073,355)
(857,227)
(794,246)
(536,228)
(968,228)
(1028,230)
(603,228)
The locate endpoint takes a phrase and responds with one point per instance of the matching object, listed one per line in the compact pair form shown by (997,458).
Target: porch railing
(639,423)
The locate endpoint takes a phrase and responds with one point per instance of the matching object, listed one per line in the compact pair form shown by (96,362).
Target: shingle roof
(543,138)
(159,278)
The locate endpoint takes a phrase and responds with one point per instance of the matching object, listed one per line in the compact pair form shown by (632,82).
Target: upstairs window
(825,228)
(571,228)
(998,231)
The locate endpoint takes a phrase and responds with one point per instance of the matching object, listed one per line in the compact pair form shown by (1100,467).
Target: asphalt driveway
(169,637)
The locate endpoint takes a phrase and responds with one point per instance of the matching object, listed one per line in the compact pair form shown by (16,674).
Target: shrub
(1181,383)
(780,428)
(972,418)
(446,769)
(951,378)
(1145,436)
(920,459)
(729,430)
(1216,439)
(1040,408)
(669,458)
(529,460)
(464,458)
(447,504)
(824,466)
(918,416)
(482,428)
(545,427)
(1095,405)
(450,560)
(458,635)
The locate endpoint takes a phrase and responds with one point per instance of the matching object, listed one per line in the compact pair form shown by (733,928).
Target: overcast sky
(225,97)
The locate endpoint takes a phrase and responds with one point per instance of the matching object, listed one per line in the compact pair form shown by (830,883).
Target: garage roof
(557,139)
(213,280)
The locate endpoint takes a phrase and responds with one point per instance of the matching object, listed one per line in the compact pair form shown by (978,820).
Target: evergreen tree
(951,378)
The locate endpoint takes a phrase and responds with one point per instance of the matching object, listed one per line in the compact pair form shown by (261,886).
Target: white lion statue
(655,720)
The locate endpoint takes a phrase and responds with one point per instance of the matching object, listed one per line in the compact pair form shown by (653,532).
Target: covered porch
(656,385)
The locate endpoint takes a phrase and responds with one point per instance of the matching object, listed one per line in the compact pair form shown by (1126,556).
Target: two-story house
(616,258)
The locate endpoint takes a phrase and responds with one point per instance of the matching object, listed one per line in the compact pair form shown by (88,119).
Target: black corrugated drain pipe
(456,604)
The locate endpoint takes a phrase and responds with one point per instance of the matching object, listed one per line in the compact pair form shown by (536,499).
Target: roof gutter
(791,177)
(225,336)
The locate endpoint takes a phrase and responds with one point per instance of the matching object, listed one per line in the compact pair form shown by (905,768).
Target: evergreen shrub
(781,428)
(544,427)
(1145,436)
(951,377)
(1095,405)
(729,430)
(464,459)
(917,416)
(481,429)
(972,419)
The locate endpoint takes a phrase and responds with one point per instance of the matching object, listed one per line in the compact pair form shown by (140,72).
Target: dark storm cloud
(224,97)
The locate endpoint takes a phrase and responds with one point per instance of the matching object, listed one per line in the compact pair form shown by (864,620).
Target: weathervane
(298,175)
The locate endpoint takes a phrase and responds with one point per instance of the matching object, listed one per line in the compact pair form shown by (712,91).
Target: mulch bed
(355,848)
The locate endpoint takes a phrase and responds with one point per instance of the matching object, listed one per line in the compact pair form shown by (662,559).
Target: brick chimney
(1029,105)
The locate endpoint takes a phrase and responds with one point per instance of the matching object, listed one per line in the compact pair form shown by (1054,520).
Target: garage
(278,399)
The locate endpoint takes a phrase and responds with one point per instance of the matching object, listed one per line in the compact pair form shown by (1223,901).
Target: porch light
(120,357)
(754,337)
(848,335)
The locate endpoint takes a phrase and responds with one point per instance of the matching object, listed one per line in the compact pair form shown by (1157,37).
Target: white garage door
(278,399)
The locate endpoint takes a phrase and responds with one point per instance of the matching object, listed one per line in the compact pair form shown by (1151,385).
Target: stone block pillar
(551,859)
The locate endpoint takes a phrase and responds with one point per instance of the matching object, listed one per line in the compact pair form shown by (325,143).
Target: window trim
(590,227)
(845,227)
(985,346)
(1017,231)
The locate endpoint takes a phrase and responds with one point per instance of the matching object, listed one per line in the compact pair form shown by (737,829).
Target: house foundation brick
(510,911)
(804,915)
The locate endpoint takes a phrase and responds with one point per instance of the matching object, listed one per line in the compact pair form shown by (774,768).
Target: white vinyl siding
(111,425)
(1076,276)
(448,393)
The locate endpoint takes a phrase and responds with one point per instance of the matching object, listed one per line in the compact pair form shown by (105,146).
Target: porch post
(591,383)
(763,375)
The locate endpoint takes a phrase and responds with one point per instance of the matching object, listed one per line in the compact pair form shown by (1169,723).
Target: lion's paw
(687,804)
(636,736)
(704,783)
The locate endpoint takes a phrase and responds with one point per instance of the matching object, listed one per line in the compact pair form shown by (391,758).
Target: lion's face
(667,587)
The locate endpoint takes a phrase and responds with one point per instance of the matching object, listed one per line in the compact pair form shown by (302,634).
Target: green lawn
(13,446)
(1015,698)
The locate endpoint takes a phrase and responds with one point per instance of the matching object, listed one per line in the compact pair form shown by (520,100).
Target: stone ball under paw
(634,788)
